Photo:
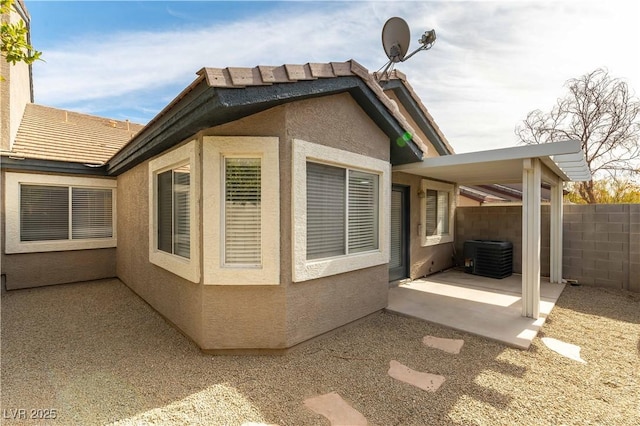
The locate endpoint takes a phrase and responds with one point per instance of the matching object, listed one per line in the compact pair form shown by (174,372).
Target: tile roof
(54,134)
(267,75)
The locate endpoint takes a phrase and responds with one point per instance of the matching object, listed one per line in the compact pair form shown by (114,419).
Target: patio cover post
(531,181)
(556,232)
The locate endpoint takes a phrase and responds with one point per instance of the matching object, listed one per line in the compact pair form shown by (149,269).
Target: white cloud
(493,62)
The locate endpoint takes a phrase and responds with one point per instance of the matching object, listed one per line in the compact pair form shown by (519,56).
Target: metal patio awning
(553,163)
(565,159)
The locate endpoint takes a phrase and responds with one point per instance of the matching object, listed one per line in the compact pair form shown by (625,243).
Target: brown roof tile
(289,73)
(53,134)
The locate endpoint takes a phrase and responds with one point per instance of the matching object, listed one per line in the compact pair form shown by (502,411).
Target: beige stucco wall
(222,317)
(423,260)
(248,317)
(177,299)
(15,93)
(281,316)
(318,306)
(26,270)
(58,267)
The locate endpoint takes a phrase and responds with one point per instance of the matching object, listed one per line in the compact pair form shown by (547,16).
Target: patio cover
(553,163)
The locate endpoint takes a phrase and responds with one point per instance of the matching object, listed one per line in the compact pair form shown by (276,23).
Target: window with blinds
(342,211)
(437,216)
(325,211)
(363,211)
(172,210)
(92,215)
(55,213)
(242,212)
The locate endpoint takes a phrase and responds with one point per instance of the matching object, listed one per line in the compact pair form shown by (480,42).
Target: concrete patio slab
(484,306)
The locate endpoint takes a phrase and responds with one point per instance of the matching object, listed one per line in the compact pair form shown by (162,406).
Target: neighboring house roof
(503,193)
(214,98)
(54,134)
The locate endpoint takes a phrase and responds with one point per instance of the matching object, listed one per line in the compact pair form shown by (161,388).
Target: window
(342,214)
(92,213)
(340,210)
(437,212)
(241,210)
(173,213)
(56,213)
(45,213)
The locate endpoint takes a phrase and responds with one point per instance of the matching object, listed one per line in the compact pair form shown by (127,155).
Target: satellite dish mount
(395,40)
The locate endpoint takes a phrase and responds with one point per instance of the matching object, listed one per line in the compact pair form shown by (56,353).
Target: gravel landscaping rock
(97,354)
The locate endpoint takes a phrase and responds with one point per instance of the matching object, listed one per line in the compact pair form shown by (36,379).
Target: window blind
(396,230)
(363,211)
(164,213)
(437,216)
(91,212)
(242,212)
(181,213)
(44,213)
(432,213)
(443,212)
(326,208)
(172,215)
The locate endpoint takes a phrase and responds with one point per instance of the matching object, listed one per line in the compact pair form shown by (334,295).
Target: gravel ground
(97,354)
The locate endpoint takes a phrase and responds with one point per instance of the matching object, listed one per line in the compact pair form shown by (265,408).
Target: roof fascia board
(205,107)
(172,127)
(418,116)
(50,166)
(260,98)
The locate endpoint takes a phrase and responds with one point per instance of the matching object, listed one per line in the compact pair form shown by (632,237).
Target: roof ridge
(261,75)
(83,114)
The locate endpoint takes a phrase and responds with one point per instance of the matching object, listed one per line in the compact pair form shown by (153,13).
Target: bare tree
(604,115)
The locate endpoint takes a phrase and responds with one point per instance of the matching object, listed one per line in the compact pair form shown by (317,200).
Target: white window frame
(304,269)
(432,240)
(215,149)
(13,181)
(188,269)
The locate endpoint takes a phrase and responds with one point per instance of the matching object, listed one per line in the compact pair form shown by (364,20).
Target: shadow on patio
(484,306)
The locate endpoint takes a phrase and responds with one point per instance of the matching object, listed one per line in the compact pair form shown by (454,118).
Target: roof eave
(418,113)
(52,166)
(202,106)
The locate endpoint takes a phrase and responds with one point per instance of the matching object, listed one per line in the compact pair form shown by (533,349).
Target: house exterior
(261,208)
(254,212)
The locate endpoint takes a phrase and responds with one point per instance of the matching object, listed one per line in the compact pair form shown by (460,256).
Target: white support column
(556,232)
(531,180)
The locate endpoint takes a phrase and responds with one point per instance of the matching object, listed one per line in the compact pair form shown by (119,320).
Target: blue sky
(492,63)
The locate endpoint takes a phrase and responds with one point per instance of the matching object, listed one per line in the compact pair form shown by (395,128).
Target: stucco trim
(214,150)
(188,269)
(12,203)
(303,269)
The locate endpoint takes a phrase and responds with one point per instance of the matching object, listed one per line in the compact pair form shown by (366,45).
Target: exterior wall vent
(488,258)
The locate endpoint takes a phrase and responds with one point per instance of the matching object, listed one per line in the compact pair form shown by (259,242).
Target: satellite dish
(396,38)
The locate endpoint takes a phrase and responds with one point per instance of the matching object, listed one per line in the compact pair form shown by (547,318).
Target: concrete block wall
(601,243)
(503,223)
